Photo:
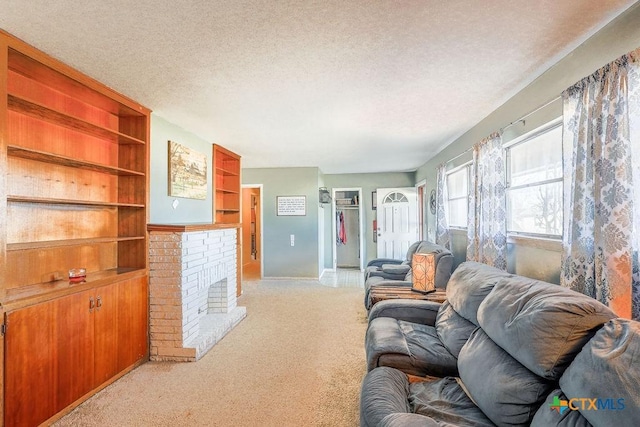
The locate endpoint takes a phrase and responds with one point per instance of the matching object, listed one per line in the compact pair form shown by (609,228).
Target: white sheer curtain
(486,228)
(602,182)
(442,228)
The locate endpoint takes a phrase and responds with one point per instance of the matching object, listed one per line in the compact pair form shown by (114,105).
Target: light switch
(293,239)
(175,203)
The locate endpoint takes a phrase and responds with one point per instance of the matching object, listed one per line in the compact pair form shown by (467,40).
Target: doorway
(347,226)
(251,232)
(397,221)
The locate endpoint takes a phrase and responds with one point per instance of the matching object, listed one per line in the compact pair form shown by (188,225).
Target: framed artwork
(187,172)
(374,200)
(291,205)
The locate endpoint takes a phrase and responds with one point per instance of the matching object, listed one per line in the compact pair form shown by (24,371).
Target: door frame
(260,214)
(421,194)
(360,225)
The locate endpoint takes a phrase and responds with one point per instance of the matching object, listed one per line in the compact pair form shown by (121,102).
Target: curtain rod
(521,119)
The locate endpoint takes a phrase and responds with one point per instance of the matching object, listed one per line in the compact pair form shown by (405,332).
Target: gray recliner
(380,273)
(389,268)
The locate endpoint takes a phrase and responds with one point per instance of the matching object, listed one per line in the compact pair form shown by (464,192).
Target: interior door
(397,219)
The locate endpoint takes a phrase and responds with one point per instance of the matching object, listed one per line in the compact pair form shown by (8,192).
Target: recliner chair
(392,269)
(376,275)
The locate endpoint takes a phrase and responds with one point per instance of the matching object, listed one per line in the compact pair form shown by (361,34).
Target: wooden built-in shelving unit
(73,193)
(226,187)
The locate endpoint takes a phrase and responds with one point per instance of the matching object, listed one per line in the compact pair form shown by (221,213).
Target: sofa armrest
(414,311)
(378,262)
(396,269)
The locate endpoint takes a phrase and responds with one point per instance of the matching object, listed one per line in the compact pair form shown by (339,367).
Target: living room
(532,103)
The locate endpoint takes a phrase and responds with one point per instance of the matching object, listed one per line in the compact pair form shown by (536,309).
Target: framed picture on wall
(187,172)
(291,205)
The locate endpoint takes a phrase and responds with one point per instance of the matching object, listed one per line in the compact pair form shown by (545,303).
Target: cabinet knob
(92,304)
(99,302)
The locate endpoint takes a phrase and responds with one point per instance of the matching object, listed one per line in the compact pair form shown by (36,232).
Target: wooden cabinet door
(105,331)
(74,342)
(31,353)
(133,321)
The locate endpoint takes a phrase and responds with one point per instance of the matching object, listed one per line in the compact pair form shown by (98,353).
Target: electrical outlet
(293,239)
(175,203)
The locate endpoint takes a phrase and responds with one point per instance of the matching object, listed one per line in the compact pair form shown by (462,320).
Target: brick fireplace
(192,289)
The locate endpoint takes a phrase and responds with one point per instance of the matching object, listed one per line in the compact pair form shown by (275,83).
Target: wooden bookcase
(73,193)
(226,187)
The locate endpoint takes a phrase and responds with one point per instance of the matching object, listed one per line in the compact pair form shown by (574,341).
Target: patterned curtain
(487,226)
(600,245)
(442,228)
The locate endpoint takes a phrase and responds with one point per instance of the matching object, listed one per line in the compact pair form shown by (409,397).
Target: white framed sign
(291,205)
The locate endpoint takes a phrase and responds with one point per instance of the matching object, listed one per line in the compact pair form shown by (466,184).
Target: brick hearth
(192,291)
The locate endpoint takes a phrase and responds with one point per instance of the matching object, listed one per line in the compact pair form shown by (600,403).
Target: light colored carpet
(297,359)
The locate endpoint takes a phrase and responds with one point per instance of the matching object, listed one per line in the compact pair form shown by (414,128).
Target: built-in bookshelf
(73,194)
(226,187)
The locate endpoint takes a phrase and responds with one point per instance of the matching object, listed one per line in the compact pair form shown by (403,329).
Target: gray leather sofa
(526,353)
(389,272)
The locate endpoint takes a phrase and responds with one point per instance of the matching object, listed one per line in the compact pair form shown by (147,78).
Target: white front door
(397,221)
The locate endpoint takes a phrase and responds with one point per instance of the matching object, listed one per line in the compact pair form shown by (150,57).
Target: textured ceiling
(348,86)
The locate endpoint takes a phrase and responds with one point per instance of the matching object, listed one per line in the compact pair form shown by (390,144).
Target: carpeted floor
(297,359)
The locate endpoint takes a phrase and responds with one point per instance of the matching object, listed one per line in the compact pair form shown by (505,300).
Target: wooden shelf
(226,203)
(24,246)
(229,191)
(40,292)
(43,156)
(42,112)
(222,171)
(46,200)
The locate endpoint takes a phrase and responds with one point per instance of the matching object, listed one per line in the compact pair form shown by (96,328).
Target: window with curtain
(458,196)
(535,183)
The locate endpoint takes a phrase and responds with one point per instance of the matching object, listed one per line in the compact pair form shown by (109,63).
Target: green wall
(188,210)
(279,258)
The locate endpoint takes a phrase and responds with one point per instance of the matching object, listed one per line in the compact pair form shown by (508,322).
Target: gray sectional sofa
(390,272)
(502,350)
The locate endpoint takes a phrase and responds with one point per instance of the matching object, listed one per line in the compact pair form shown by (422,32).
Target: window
(458,196)
(534,183)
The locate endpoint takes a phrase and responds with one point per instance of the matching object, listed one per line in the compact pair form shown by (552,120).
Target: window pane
(458,213)
(538,159)
(536,209)
(457,183)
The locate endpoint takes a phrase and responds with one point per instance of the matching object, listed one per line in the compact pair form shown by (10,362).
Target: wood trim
(25,48)
(185,228)
(25,296)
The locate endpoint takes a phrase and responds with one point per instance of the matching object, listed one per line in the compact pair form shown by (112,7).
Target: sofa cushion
(384,392)
(607,368)
(389,399)
(396,269)
(410,347)
(541,325)
(470,283)
(445,400)
(507,392)
(452,329)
